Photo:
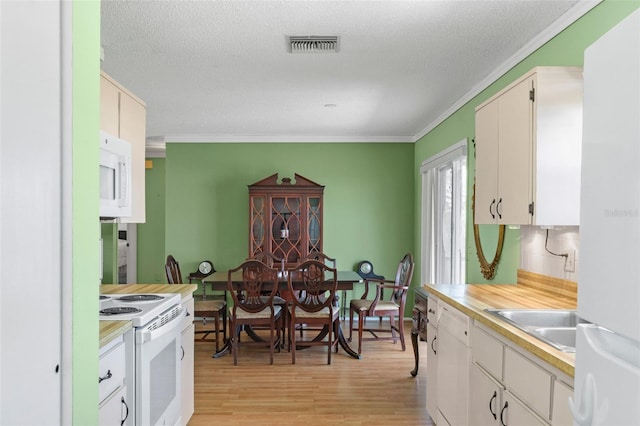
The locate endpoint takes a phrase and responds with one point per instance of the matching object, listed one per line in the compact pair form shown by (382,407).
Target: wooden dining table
(346,280)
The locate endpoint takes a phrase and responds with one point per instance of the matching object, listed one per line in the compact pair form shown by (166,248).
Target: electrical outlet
(570,261)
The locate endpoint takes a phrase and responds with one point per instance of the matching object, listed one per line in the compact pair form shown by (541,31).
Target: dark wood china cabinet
(285,219)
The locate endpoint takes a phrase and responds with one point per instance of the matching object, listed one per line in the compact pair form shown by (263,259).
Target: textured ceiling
(220,70)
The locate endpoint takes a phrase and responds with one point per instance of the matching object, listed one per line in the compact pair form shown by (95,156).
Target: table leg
(343,342)
(414,343)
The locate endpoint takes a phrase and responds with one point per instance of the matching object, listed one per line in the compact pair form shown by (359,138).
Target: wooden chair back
(322,258)
(172,269)
(269,259)
(316,283)
(256,290)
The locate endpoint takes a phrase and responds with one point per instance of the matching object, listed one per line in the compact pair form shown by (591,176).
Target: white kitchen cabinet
(432,356)
(187,372)
(485,399)
(123,114)
(528,150)
(529,390)
(114,403)
(561,415)
(454,362)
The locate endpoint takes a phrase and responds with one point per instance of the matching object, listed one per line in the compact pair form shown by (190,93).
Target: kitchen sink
(556,327)
(562,338)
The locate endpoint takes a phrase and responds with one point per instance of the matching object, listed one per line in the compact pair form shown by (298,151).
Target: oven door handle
(148,335)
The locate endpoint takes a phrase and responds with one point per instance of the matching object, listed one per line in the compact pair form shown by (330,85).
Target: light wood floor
(375,390)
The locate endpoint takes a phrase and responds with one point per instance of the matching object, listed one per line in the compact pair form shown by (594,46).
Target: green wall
(151,234)
(567,48)
(85,211)
(368,199)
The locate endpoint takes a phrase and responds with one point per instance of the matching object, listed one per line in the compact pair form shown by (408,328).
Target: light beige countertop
(532,291)
(109,329)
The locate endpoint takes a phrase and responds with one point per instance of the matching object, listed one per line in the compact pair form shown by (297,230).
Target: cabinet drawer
(189,305)
(528,381)
(433,310)
(488,352)
(111,369)
(420,303)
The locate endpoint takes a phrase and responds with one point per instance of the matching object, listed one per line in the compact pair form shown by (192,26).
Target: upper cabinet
(528,150)
(285,219)
(123,114)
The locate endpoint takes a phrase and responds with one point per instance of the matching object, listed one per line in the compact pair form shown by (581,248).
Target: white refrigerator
(607,379)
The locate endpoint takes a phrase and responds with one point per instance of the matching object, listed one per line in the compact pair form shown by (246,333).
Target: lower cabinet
(115,405)
(507,386)
(187,372)
(432,357)
(115,409)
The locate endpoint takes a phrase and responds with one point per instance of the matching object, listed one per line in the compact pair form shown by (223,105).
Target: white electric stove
(157,320)
(140,309)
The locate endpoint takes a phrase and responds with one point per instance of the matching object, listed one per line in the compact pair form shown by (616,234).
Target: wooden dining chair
(318,283)
(203,308)
(329,261)
(279,299)
(377,307)
(253,304)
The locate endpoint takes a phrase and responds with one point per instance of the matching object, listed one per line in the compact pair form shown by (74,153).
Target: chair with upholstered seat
(203,308)
(253,304)
(274,262)
(317,284)
(378,307)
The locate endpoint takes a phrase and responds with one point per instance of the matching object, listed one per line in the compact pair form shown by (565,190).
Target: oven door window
(158,375)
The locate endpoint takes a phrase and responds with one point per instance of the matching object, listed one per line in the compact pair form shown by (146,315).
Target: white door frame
(456,153)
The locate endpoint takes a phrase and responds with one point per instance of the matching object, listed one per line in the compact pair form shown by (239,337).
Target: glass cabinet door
(258,222)
(314,220)
(286,241)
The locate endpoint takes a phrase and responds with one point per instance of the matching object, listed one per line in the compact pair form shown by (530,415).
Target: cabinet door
(515,135)
(486,189)
(314,224)
(109,107)
(287,226)
(515,413)
(561,415)
(132,129)
(187,373)
(115,410)
(485,398)
(432,370)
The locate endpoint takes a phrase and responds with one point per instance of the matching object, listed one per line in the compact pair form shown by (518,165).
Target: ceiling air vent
(312,44)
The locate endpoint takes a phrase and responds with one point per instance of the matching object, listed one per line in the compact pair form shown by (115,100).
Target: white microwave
(115,177)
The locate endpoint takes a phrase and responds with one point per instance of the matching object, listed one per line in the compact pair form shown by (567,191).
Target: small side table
(419,324)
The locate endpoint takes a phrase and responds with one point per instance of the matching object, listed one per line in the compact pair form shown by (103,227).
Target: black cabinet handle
(182,357)
(107,376)
(126,416)
(506,404)
(493,413)
(431,311)
(493,216)
(498,209)
(432,342)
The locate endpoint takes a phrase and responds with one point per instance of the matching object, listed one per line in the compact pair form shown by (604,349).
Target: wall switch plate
(570,261)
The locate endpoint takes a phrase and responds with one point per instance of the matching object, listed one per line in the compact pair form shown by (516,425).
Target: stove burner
(140,298)
(118,310)
(102,297)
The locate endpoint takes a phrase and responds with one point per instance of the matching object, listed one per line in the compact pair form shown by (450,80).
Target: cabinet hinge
(531,209)
(532,95)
